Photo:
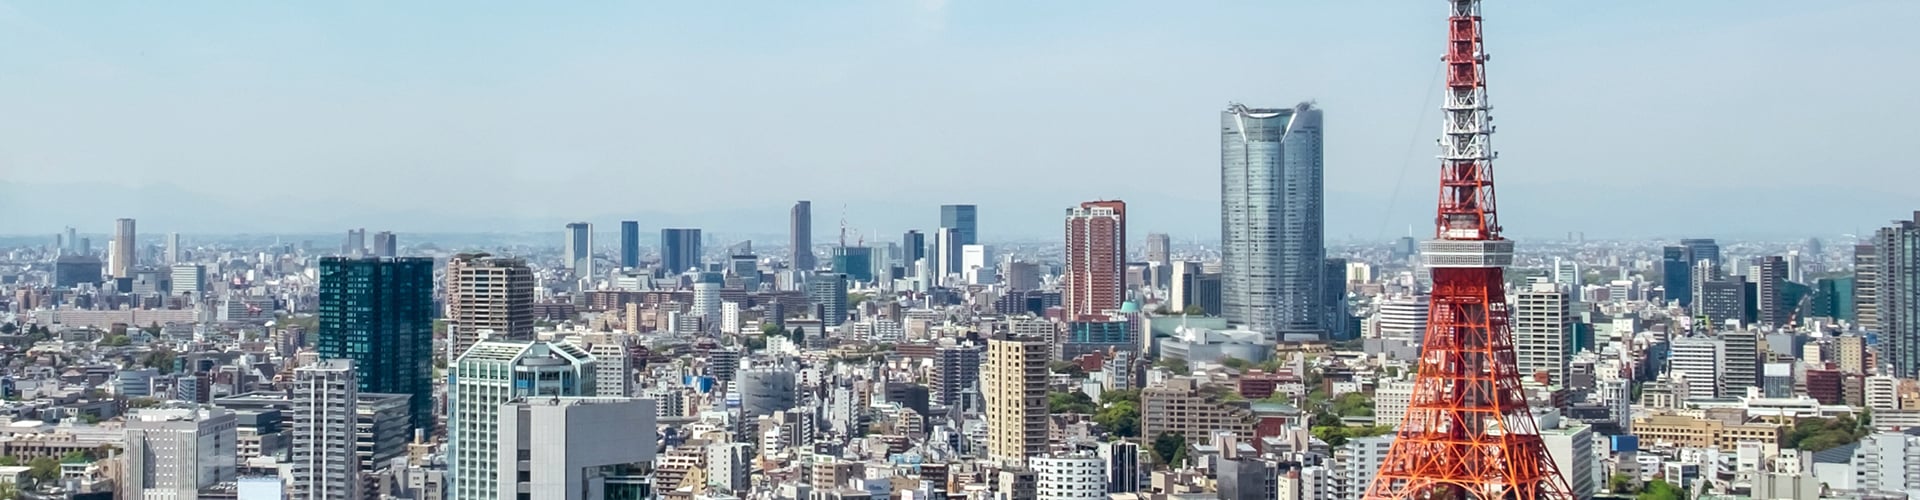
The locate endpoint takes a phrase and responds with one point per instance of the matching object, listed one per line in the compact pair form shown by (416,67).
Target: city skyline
(1706,135)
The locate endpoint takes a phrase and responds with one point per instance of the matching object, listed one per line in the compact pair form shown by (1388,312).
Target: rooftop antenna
(843,225)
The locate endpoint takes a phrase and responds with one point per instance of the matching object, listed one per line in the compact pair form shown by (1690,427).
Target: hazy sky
(424,115)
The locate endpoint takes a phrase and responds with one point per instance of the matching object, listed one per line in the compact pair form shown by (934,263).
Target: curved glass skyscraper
(1271,220)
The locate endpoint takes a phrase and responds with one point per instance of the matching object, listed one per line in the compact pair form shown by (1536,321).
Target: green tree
(798,336)
(754,343)
(9,461)
(159,359)
(1195,310)
(117,341)
(1235,363)
(44,469)
(1121,418)
(1169,446)
(1353,404)
(1177,366)
(1120,396)
(140,402)
(770,329)
(9,328)
(1069,368)
(1620,483)
(1660,489)
(1069,402)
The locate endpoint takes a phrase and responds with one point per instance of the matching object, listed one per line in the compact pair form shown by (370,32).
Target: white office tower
(566,448)
(189,279)
(172,255)
(325,465)
(730,467)
(1356,463)
(1070,477)
(976,265)
(494,373)
(613,365)
(1566,272)
(730,317)
(1570,443)
(121,256)
(1403,318)
(1390,402)
(946,250)
(173,453)
(1882,392)
(1543,332)
(706,301)
(1699,360)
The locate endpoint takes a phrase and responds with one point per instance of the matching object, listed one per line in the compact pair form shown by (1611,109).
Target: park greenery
(1818,434)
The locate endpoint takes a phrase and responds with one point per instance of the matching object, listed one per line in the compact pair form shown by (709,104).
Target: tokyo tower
(1468,433)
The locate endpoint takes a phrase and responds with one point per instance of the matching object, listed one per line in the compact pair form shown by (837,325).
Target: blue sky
(425,116)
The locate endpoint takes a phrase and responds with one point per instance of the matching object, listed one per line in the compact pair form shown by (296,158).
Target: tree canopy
(1170,448)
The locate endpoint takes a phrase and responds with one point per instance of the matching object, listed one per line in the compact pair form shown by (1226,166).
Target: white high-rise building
(325,465)
(189,279)
(1070,477)
(730,467)
(1543,332)
(613,365)
(578,251)
(730,317)
(566,448)
(1403,318)
(1571,445)
(1357,463)
(173,453)
(976,265)
(494,373)
(706,301)
(1390,402)
(1882,392)
(1700,360)
(173,249)
(122,256)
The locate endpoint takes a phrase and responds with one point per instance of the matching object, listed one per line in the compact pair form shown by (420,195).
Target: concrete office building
(613,365)
(1403,317)
(955,369)
(385,244)
(577,252)
(1543,332)
(1866,287)
(1094,282)
(1699,361)
(1770,277)
(1070,477)
(1159,249)
(1181,405)
(828,294)
(487,296)
(1571,445)
(189,279)
(495,373)
(800,234)
(1271,220)
(173,453)
(765,390)
(1014,383)
(324,462)
(356,245)
(569,448)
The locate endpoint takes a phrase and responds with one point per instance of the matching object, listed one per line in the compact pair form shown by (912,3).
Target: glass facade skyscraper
(801,231)
(629,244)
(679,250)
(1897,291)
(1271,220)
(378,312)
(965,221)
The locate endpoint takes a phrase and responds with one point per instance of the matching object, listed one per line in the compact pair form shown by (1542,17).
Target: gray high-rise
(1897,294)
(801,230)
(578,253)
(1271,220)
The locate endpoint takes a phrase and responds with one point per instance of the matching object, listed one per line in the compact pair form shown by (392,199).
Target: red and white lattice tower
(1468,433)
